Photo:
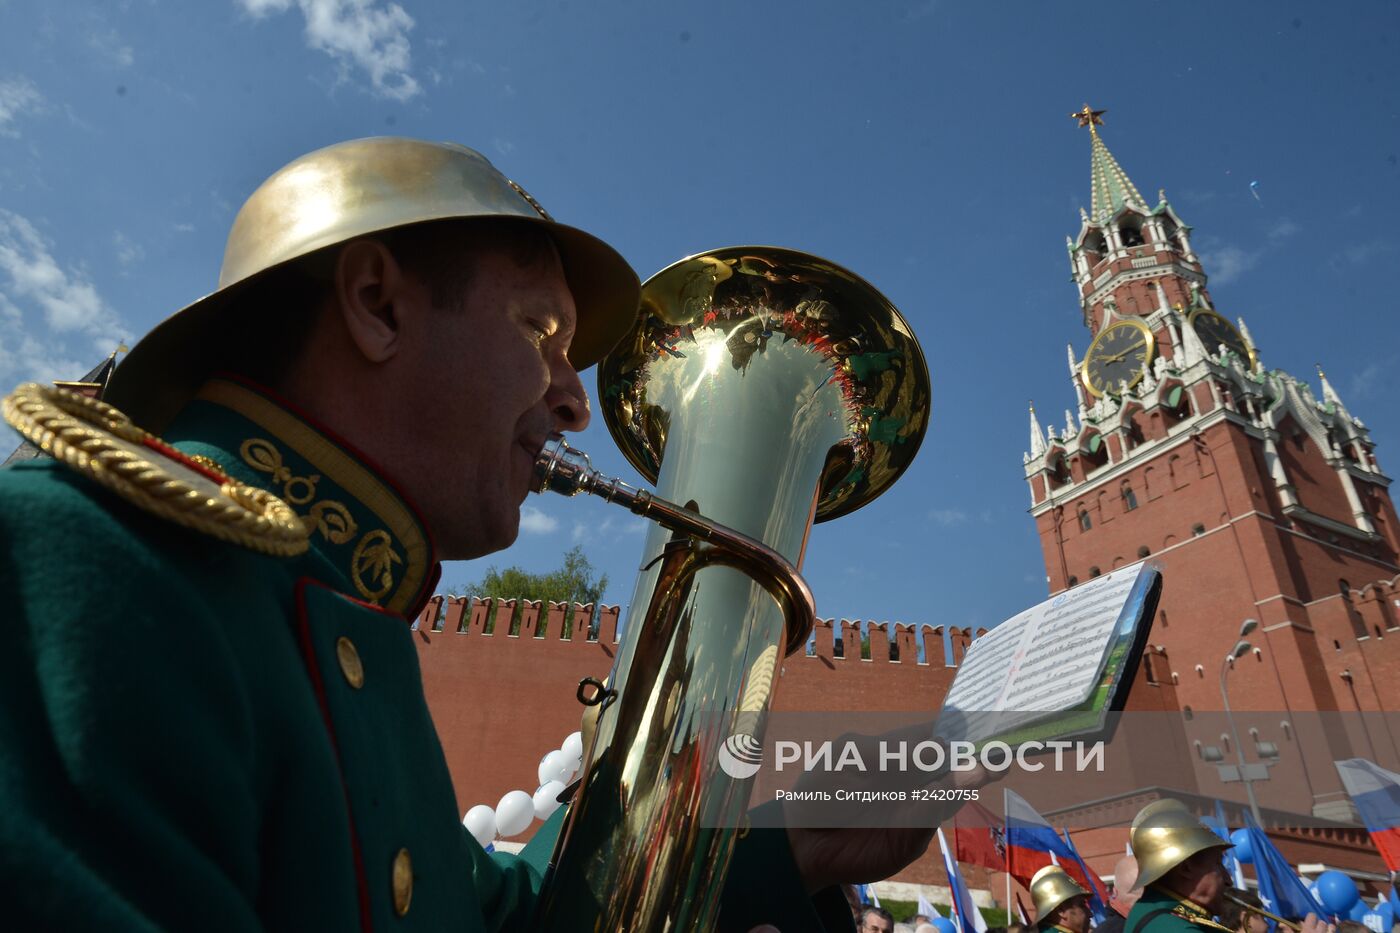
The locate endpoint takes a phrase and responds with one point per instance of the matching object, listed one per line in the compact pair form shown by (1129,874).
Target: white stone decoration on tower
(1037,437)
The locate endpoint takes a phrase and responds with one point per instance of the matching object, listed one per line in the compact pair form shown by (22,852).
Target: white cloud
(366,34)
(128,250)
(535,522)
(1282,230)
(948,517)
(56,323)
(18,96)
(1371,377)
(1359,254)
(1227,263)
(108,43)
(610,529)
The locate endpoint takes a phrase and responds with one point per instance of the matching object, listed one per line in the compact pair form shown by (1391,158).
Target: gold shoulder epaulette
(101,443)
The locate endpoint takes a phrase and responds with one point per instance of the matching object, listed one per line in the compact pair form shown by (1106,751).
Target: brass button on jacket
(350,664)
(402,882)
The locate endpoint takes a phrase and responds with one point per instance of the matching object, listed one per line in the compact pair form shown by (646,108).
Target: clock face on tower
(1214,330)
(1118,356)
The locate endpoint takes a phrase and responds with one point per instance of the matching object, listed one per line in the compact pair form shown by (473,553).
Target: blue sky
(923,144)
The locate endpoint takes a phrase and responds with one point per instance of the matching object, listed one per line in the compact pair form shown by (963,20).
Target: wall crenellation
(521,619)
(947,646)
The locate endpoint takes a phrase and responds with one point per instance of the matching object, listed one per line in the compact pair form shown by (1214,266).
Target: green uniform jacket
(1159,911)
(194,736)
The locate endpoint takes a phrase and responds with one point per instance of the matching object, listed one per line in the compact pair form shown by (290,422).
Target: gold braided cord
(94,439)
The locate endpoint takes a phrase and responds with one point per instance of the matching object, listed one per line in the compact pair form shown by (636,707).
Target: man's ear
(368,282)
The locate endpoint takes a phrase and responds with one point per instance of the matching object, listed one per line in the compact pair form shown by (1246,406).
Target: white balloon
(567,768)
(547,799)
(514,813)
(556,766)
(480,821)
(551,765)
(573,747)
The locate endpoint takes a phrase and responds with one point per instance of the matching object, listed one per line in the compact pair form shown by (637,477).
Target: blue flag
(1217,822)
(1097,894)
(965,915)
(1218,826)
(1280,889)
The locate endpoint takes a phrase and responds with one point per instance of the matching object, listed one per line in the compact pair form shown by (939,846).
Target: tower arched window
(1085,522)
(1130,233)
(1129,498)
(1095,244)
(1094,451)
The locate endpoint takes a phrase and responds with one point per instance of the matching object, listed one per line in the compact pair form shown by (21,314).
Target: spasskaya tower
(1259,497)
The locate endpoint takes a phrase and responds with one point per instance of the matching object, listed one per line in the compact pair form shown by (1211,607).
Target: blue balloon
(1337,892)
(944,925)
(1243,851)
(1387,912)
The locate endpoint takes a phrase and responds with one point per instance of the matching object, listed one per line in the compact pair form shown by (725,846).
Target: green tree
(574,582)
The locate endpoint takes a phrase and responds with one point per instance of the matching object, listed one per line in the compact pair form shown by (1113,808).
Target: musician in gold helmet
(213,717)
(1060,902)
(1181,872)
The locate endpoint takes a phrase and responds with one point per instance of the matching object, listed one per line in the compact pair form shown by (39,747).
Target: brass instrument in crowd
(1240,902)
(766,389)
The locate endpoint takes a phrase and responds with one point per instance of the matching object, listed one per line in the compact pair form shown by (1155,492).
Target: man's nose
(568,400)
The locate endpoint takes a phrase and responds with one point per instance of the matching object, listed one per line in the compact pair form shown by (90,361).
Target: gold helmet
(350,190)
(1165,834)
(1051,887)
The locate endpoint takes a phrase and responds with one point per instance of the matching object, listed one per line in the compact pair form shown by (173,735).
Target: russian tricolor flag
(1031,842)
(1376,793)
(966,917)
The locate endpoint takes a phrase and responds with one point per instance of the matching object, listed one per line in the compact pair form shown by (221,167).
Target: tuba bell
(765,389)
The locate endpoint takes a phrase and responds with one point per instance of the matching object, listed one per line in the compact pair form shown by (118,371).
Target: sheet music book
(1057,669)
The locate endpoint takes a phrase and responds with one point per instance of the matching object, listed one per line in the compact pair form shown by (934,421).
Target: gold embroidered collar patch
(101,443)
(356,519)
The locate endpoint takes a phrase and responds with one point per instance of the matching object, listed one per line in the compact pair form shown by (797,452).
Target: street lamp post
(1246,772)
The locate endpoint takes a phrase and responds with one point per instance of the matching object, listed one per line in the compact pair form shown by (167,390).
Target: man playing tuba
(1181,873)
(213,717)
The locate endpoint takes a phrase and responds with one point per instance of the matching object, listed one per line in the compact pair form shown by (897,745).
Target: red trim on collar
(318,685)
(165,450)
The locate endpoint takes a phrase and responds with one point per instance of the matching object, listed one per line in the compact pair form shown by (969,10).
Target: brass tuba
(765,388)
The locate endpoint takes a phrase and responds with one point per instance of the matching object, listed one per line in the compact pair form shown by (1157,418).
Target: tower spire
(1329,394)
(1037,436)
(1111,186)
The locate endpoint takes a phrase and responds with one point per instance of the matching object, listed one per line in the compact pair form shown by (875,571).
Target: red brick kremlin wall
(500,701)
